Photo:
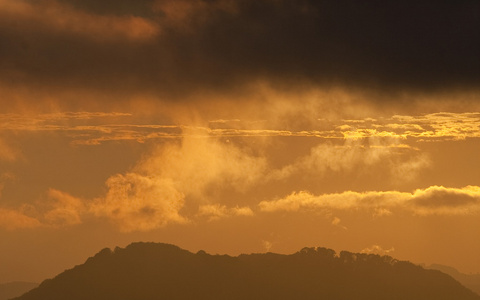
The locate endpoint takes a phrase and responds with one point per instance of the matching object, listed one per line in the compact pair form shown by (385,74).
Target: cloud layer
(182,47)
(434,200)
(136,203)
(190,173)
(94,128)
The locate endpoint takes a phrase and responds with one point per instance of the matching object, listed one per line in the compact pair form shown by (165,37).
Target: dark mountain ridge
(471,281)
(162,271)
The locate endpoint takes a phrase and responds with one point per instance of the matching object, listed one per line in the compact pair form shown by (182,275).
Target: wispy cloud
(185,15)
(63,209)
(16,218)
(327,157)
(56,209)
(7,152)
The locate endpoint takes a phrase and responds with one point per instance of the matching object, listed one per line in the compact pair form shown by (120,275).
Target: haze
(238,127)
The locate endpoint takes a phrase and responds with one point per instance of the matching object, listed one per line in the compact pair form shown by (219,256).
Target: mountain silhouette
(144,271)
(471,281)
(13,289)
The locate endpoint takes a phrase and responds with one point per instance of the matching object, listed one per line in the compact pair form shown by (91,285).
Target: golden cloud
(328,157)
(442,125)
(135,202)
(152,195)
(200,159)
(64,209)
(94,128)
(217,211)
(16,218)
(58,209)
(434,200)
(379,250)
(140,203)
(195,163)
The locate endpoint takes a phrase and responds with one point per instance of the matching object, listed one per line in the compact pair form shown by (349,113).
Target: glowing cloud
(217,211)
(434,200)
(152,195)
(196,164)
(376,249)
(137,202)
(57,209)
(94,128)
(368,152)
(64,209)
(13,219)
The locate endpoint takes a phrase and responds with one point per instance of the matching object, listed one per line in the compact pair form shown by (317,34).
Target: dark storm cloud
(172,47)
(141,8)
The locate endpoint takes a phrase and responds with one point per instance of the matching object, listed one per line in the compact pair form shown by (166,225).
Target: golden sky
(238,127)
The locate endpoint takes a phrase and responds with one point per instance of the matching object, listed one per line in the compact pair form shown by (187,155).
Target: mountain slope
(161,271)
(471,281)
(15,289)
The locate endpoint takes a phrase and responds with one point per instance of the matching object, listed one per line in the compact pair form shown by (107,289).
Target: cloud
(60,18)
(185,15)
(374,138)
(57,209)
(153,194)
(433,126)
(133,203)
(196,164)
(182,177)
(64,209)
(336,222)
(434,200)
(376,249)
(447,201)
(13,219)
(217,211)
(182,49)
(137,202)
(267,245)
(409,169)
(7,153)
(366,152)
(380,212)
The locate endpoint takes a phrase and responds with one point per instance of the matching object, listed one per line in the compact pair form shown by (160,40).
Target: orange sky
(213,125)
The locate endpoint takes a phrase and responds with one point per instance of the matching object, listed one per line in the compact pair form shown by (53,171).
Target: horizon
(238,127)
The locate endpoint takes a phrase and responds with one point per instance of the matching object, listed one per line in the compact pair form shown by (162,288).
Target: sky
(238,127)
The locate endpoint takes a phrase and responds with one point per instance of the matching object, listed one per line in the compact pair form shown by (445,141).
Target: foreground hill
(159,271)
(14,289)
